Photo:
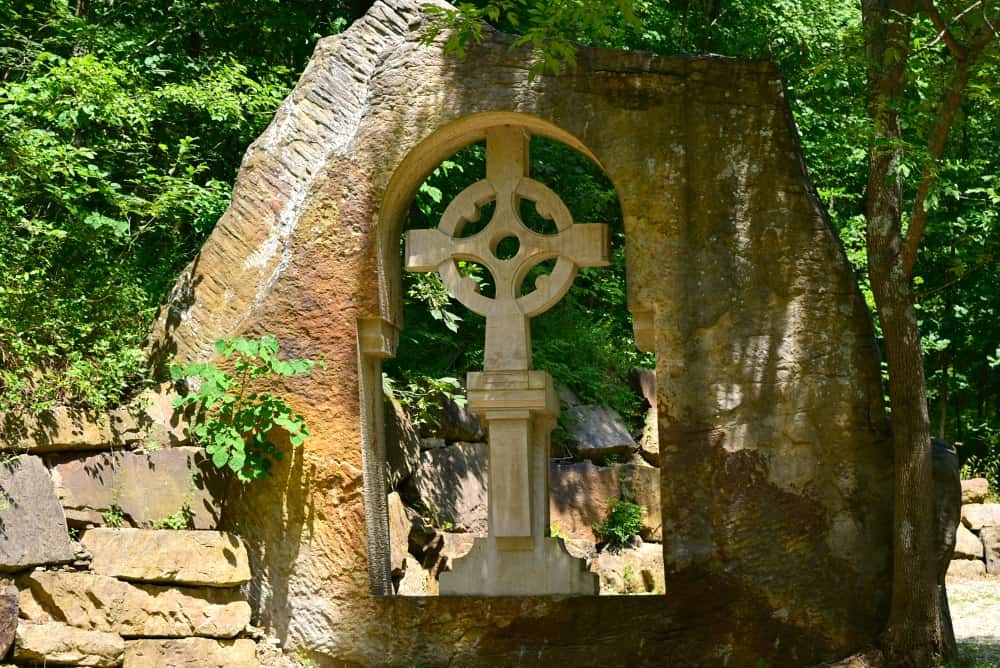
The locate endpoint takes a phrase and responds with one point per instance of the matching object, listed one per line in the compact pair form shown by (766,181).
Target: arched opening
(431,452)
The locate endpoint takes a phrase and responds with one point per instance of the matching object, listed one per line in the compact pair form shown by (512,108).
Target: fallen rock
(60,428)
(151,421)
(8,617)
(630,571)
(194,558)
(402,444)
(32,525)
(975,490)
(415,580)
(56,644)
(454,423)
(399,533)
(962,569)
(990,537)
(144,487)
(190,653)
(449,486)
(100,603)
(641,485)
(578,498)
(967,544)
(598,433)
(444,549)
(975,516)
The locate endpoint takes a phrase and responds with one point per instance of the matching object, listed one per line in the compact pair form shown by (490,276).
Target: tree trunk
(915,632)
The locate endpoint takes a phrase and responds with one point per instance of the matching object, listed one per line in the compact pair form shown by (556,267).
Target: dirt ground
(975,614)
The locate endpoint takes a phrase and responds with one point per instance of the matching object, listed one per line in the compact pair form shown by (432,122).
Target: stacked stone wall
(977,542)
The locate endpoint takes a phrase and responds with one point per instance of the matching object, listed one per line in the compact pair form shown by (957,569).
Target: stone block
(399,533)
(967,544)
(450,485)
(990,537)
(402,444)
(145,486)
(32,525)
(415,580)
(151,421)
(455,423)
(975,516)
(190,653)
(100,603)
(60,428)
(8,617)
(444,549)
(963,569)
(578,497)
(630,570)
(194,558)
(975,490)
(641,485)
(56,644)
(598,433)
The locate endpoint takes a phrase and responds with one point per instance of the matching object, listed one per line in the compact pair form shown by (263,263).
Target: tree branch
(943,32)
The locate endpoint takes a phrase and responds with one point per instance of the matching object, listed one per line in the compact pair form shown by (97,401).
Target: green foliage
(555,531)
(113,517)
(236,424)
(622,522)
(182,519)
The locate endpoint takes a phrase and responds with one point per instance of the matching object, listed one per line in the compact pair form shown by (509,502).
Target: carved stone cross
(519,405)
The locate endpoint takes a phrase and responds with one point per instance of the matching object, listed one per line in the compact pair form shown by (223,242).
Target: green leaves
(623,520)
(234,423)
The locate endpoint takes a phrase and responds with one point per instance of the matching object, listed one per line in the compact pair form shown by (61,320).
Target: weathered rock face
(975,490)
(402,444)
(990,537)
(59,429)
(967,544)
(641,485)
(644,381)
(776,461)
(99,603)
(416,580)
(150,420)
(32,524)
(961,569)
(975,516)
(630,571)
(56,644)
(599,433)
(399,533)
(578,497)
(455,423)
(450,484)
(190,653)
(8,617)
(193,558)
(144,486)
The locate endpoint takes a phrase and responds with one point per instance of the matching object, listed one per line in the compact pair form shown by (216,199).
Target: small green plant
(629,581)
(424,396)
(113,517)
(182,519)
(624,520)
(555,531)
(233,422)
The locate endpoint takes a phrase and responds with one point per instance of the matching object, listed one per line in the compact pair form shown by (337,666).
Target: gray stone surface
(100,603)
(191,558)
(449,486)
(402,444)
(190,653)
(145,486)
(399,533)
(967,544)
(975,490)
(56,644)
(8,617)
(598,432)
(975,516)
(990,537)
(32,525)
(455,423)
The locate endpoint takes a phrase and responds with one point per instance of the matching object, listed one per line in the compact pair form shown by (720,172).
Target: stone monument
(518,404)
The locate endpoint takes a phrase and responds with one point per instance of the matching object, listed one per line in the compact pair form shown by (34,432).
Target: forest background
(122,126)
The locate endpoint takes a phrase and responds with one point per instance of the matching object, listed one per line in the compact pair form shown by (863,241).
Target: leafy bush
(234,423)
(624,520)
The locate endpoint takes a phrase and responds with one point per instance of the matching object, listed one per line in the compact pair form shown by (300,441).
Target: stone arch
(771,421)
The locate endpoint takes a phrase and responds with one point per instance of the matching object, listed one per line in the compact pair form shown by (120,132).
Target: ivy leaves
(234,422)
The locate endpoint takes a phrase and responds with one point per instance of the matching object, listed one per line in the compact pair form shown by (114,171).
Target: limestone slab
(975,490)
(32,525)
(100,603)
(578,497)
(145,487)
(58,429)
(967,544)
(190,653)
(975,516)
(193,558)
(57,644)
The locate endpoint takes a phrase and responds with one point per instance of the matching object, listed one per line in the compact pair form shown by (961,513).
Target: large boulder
(578,497)
(100,603)
(640,484)
(975,490)
(967,544)
(190,653)
(975,516)
(964,569)
(32,525)
(141,487)
(402,444)
(990,537)
(454,422)
(56,644)
(598,433)
(192,558)
(449,486)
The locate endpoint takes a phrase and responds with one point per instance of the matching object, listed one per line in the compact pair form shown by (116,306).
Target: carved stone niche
(776,464)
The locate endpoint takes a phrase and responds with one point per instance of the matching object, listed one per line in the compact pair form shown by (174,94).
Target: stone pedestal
(518,557)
